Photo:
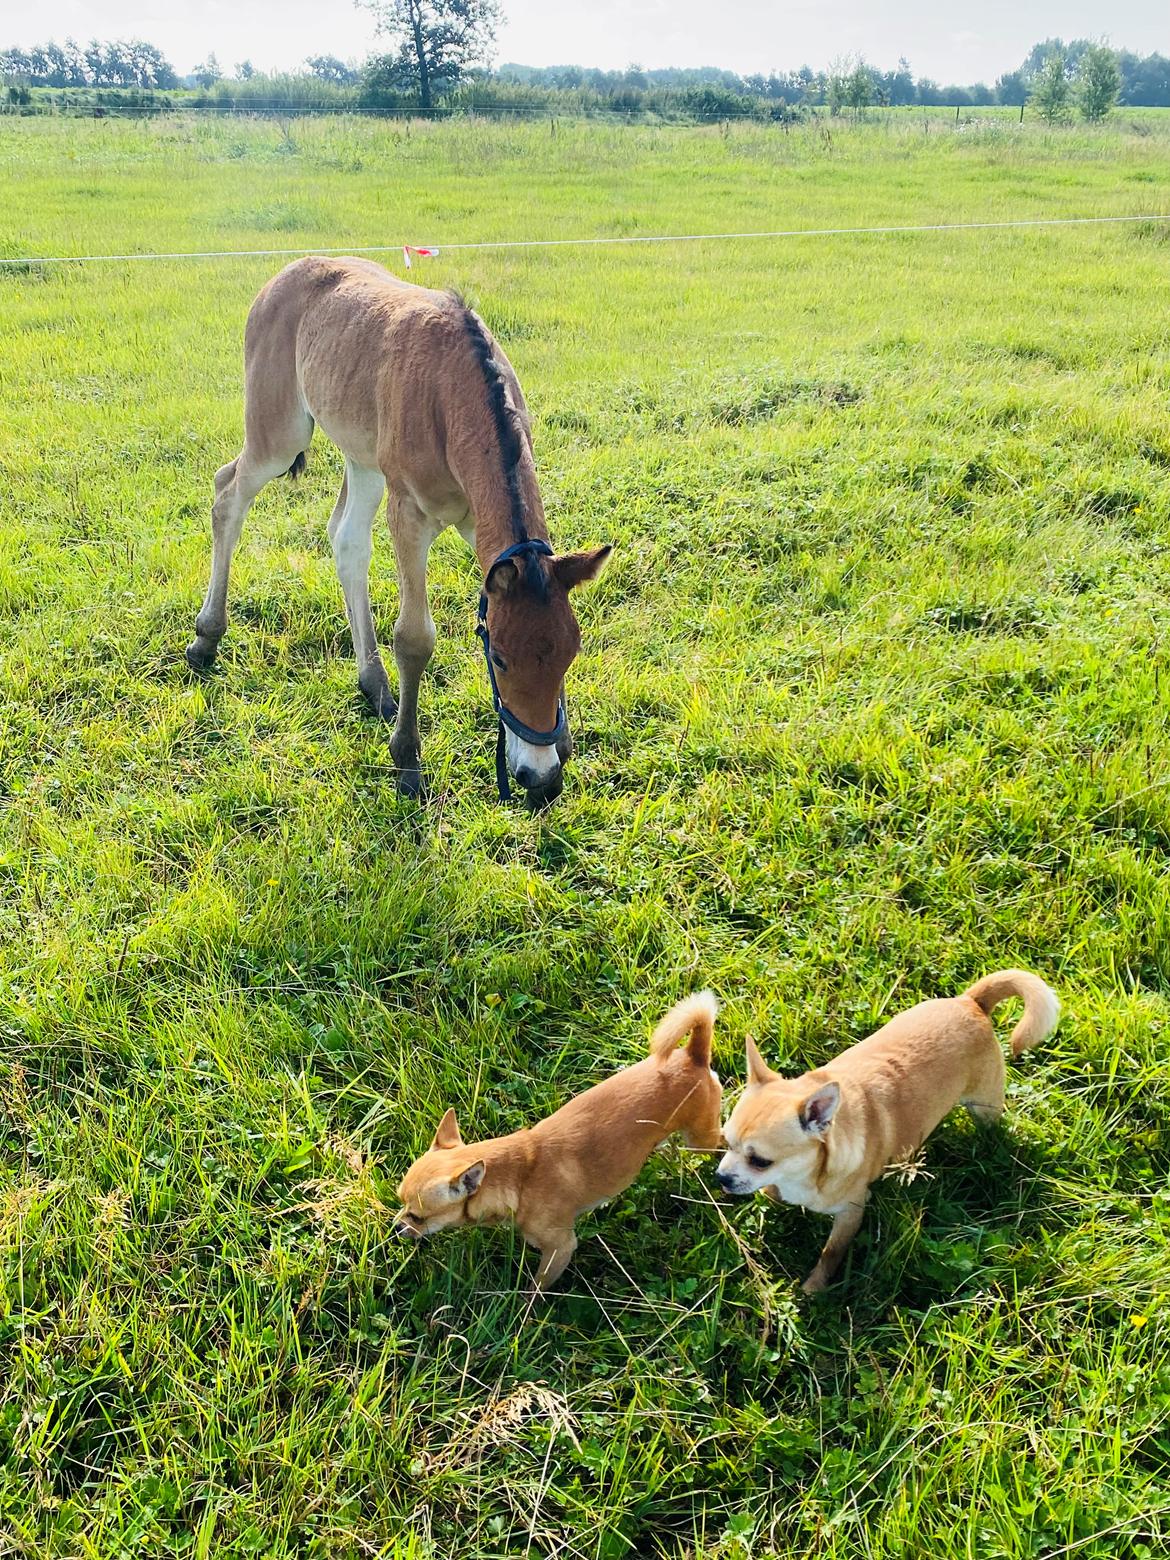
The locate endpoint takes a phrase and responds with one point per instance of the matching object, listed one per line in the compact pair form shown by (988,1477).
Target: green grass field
(871,702)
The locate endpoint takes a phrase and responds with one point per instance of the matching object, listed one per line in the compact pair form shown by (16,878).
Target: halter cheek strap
(533,548)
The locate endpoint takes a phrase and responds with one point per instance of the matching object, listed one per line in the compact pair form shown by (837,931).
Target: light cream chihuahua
(821,1139)
(591,1149)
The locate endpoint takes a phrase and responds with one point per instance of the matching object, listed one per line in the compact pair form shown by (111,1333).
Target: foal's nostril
(544,792)
(538,780)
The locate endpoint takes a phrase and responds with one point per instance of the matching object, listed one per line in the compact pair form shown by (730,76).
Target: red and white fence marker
(423,254)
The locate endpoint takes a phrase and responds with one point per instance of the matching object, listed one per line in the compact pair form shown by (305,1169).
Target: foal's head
(533,636)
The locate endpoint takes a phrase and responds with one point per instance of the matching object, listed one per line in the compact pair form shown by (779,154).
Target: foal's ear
(447,1132)
(501,578)
(580,567)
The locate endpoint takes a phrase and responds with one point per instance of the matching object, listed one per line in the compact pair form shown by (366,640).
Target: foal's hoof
(376,691)
(200,657)
(409,782)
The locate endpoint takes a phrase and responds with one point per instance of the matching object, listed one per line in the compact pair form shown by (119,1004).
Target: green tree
(899,84)
(1012,88)
(387,81)
(859,86)
(836,85)
(1098,81)
(327,67)
(1052,90)
(439,40)
(207,74)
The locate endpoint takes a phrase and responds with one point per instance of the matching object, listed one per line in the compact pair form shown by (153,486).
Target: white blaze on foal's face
(533,765)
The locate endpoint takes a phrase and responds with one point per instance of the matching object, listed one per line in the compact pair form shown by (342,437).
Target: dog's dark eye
(758,1162)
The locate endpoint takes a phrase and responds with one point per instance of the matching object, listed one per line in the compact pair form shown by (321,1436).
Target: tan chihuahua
(821,1139)
(591,1149)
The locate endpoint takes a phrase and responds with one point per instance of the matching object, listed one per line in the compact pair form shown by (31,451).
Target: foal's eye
(499,662)
(758,1162)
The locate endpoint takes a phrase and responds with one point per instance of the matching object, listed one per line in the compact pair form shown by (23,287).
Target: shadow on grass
(968,1216)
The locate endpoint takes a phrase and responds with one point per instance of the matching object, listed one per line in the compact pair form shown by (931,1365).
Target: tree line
(124,63)
(439,47)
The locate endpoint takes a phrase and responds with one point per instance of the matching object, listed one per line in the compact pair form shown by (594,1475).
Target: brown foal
(423,404)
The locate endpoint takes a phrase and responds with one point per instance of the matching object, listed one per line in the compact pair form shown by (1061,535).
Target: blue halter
(534,548)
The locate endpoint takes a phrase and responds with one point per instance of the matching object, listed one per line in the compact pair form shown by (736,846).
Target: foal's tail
(1041,1004)
(298,465)
(694,1016)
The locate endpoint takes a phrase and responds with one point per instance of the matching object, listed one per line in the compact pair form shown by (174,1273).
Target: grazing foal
(421,401)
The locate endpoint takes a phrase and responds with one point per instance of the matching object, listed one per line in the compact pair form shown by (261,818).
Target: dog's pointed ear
(447,1133)
(463,1185)
(758,1070)
(817,1112)
(501,578)
(579,568)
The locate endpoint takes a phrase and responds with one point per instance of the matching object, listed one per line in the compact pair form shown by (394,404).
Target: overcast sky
(951,42)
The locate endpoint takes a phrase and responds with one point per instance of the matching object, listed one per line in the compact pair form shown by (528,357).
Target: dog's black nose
(725,1178)
(405,1231)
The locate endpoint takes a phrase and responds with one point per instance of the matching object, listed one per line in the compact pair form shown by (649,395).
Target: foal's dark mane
(508,434)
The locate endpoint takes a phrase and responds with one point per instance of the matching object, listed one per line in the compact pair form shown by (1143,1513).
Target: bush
(262,94)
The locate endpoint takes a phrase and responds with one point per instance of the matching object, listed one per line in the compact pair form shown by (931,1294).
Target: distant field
(872,700)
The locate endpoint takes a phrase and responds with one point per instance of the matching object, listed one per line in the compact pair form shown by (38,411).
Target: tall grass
(871,701)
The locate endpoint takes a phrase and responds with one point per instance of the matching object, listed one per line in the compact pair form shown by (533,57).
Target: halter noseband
(531,547)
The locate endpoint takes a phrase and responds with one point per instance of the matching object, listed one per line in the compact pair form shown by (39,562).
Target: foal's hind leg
(350,531)
(236,486)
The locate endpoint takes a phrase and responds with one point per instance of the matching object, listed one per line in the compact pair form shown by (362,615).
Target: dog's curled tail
(694,1016)
(1041,1004)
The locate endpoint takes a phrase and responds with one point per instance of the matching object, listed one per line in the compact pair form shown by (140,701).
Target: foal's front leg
(236,486)
(414,632)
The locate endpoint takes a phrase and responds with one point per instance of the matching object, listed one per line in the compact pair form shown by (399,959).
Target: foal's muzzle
(540,790)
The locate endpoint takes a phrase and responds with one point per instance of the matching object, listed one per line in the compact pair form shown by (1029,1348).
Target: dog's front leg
(556,1252)
(707,1140)
(845,1227)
